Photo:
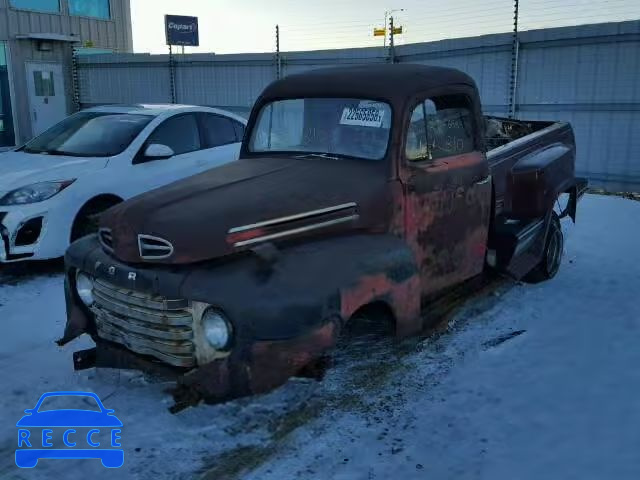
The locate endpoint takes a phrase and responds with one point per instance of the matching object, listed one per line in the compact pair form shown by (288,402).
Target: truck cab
(357,187)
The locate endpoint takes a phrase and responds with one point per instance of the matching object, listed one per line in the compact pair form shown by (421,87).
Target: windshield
(331,126)
(90,134)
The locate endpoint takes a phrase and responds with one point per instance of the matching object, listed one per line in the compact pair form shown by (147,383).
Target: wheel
(86,221)
(552,257)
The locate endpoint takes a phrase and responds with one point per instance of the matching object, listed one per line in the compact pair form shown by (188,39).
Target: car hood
(18,169)
(199,215)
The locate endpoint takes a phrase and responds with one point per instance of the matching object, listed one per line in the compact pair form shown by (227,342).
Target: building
(37,39)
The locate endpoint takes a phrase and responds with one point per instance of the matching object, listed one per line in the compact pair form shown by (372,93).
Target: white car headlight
(37,192)
(84,287)
(217,329)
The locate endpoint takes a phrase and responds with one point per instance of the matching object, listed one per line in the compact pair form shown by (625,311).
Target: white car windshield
(327,126)
(90,134)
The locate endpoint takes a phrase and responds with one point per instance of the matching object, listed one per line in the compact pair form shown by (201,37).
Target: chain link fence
(585,74)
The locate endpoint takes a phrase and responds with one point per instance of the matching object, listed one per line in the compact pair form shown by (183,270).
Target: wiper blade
(31,150)
(67,154)
(318,155)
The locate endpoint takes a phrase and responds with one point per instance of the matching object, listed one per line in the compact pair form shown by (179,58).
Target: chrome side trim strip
(295,231)
(290,218)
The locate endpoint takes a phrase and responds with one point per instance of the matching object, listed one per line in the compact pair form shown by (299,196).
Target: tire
(86,222)
(552,257)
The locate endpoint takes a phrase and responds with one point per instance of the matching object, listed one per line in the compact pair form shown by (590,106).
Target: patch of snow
(538,381)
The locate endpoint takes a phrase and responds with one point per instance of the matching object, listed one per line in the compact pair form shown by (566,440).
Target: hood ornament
(154,248)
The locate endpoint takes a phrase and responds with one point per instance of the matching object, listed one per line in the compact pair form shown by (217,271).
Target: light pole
(386,16)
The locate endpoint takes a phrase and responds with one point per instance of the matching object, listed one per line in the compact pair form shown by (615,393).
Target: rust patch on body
(446,219)
(403,298)
(254,368)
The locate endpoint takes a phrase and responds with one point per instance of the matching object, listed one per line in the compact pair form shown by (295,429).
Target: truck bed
(510,141)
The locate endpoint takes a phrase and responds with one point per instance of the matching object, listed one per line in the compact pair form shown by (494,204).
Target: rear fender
(575,193)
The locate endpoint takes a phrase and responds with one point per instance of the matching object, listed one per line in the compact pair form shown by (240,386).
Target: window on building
(440,127)
(3,55)
(90,8)
(52,6)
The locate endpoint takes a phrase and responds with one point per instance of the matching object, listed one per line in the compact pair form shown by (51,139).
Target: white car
(52,188)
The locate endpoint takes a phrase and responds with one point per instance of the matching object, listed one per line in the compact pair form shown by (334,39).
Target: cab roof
(390,82)
(144,108)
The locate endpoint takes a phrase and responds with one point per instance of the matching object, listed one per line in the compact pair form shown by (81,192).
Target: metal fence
(586,74)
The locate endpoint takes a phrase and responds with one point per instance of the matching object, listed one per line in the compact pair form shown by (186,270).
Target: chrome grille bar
(154,307)
(145,324)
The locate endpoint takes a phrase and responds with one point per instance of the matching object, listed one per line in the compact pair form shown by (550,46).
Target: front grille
(145,324)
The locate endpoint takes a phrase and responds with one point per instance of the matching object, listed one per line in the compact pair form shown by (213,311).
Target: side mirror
(157,151)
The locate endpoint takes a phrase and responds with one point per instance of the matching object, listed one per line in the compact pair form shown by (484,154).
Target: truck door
(447,191)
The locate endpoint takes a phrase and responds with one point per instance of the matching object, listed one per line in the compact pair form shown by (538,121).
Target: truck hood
(248,202)
(19,169)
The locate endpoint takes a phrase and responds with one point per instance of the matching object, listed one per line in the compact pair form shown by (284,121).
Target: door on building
(6,119)
(47,95)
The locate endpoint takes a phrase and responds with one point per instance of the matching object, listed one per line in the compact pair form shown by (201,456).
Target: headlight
(37,192)
(217,330)
(84,287)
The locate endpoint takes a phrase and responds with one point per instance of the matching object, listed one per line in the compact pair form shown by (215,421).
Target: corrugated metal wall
(587,75)
(592,80)
(113,34)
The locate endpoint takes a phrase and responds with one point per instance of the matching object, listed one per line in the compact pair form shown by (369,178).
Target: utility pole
(385,26)
(75,82)
(386,16)
(278,58)
(172,76)
(515,50)
(392,50)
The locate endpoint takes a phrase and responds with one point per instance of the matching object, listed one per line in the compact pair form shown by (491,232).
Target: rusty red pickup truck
(360,191)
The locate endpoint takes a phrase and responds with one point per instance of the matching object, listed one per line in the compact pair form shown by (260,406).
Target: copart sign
(181,30)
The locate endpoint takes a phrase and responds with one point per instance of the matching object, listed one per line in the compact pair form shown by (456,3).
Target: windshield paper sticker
(364,115)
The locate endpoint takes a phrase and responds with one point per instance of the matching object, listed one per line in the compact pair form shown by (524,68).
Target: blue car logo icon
(85,433)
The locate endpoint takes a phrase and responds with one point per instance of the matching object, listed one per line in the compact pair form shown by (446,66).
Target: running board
(517,247)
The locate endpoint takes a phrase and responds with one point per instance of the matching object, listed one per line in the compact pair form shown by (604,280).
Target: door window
(239,127)
(180,133)
(44,84)
(217,130)
(440,127)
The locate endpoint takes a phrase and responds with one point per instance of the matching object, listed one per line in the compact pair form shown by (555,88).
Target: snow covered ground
(534,382)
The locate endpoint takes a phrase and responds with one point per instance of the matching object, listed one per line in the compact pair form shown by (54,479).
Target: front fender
(310,283)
